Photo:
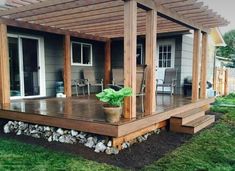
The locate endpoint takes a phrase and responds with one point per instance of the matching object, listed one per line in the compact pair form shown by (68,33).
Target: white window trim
(81,64)
(141,55)
(41,62)
(167,42)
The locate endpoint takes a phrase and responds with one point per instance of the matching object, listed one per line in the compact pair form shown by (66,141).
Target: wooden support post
(204,65)
(107,66)
(195,70)
(151,39)
(67,66)
(4,66)
(130,31)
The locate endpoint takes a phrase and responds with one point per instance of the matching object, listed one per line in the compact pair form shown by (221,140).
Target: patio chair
(78,84)
(169,80)
(118,78)
(90,80)
(118,81)
(140,83)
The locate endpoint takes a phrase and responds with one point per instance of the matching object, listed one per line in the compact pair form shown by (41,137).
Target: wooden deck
(85,113)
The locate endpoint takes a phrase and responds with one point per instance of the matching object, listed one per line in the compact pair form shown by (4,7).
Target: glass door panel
(30,67)
(14,63)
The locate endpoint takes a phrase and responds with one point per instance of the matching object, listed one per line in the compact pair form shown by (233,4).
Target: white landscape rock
(49,139)
(74,133)
(100,147)
(98,143)
(90,142)
(62,139)
(6,129)
(60,131)
(19,132)
(109,144)
(111,150)
(47,128)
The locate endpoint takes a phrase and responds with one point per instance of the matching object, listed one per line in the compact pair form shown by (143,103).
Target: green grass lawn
(21,157)
(212,149)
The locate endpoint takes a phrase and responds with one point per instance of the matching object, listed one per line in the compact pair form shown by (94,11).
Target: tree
(229,50)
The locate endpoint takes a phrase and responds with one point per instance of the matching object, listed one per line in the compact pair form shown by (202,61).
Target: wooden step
(188,116)
(194,126)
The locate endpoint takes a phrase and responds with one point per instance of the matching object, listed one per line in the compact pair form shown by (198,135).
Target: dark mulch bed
(135,157)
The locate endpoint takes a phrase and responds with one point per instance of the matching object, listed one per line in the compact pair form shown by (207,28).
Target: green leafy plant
(114,98)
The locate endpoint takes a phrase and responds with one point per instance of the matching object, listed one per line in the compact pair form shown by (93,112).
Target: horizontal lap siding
(97,63)
(53,47)
(186,58)
(53,61)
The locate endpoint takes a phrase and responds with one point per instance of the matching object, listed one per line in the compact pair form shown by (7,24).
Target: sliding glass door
(25,64)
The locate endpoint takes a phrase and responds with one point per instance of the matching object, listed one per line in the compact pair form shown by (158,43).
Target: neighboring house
(222,62)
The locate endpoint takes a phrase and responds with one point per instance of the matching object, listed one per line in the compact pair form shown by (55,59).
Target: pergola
(103,20)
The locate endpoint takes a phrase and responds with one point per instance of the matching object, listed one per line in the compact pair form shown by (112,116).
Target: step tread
(199,121)
(188,113)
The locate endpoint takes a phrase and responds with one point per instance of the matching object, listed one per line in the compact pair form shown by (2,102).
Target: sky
(226,9)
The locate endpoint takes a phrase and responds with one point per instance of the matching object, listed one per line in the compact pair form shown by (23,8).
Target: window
(165,56)
(81,54)
(139,54)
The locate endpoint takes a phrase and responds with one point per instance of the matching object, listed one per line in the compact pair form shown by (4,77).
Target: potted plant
(113,102)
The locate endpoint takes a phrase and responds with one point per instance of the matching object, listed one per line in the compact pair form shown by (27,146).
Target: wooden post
(107,66)
(195,71)
(130,29)
(204,65)
(67,66)
(151,39)
(4,66)
(226,91)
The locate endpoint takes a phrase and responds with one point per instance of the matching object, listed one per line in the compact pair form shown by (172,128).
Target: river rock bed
(97,142)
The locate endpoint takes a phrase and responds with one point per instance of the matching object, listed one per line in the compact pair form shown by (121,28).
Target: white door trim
(41,62)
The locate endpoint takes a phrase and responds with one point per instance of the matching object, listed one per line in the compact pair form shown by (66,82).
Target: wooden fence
(224,81)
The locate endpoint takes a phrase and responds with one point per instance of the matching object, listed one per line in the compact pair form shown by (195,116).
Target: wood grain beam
(203,84)
(67,66)
(107,65)
(4,66)
(37,27)
(150,57)
(195,69)
(130,39)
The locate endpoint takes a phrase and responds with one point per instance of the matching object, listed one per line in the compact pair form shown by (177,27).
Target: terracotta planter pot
(113,114)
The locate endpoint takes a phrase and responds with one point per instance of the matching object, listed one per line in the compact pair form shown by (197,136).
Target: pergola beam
(21,24)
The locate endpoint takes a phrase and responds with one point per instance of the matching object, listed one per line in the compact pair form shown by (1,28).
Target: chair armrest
(74,82)
(174,81)
(85,81)
(158,80)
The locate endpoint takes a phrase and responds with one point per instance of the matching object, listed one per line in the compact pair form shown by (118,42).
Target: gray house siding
(53,48)
(97,62)
(186,59)
(53,61)
(118,56)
